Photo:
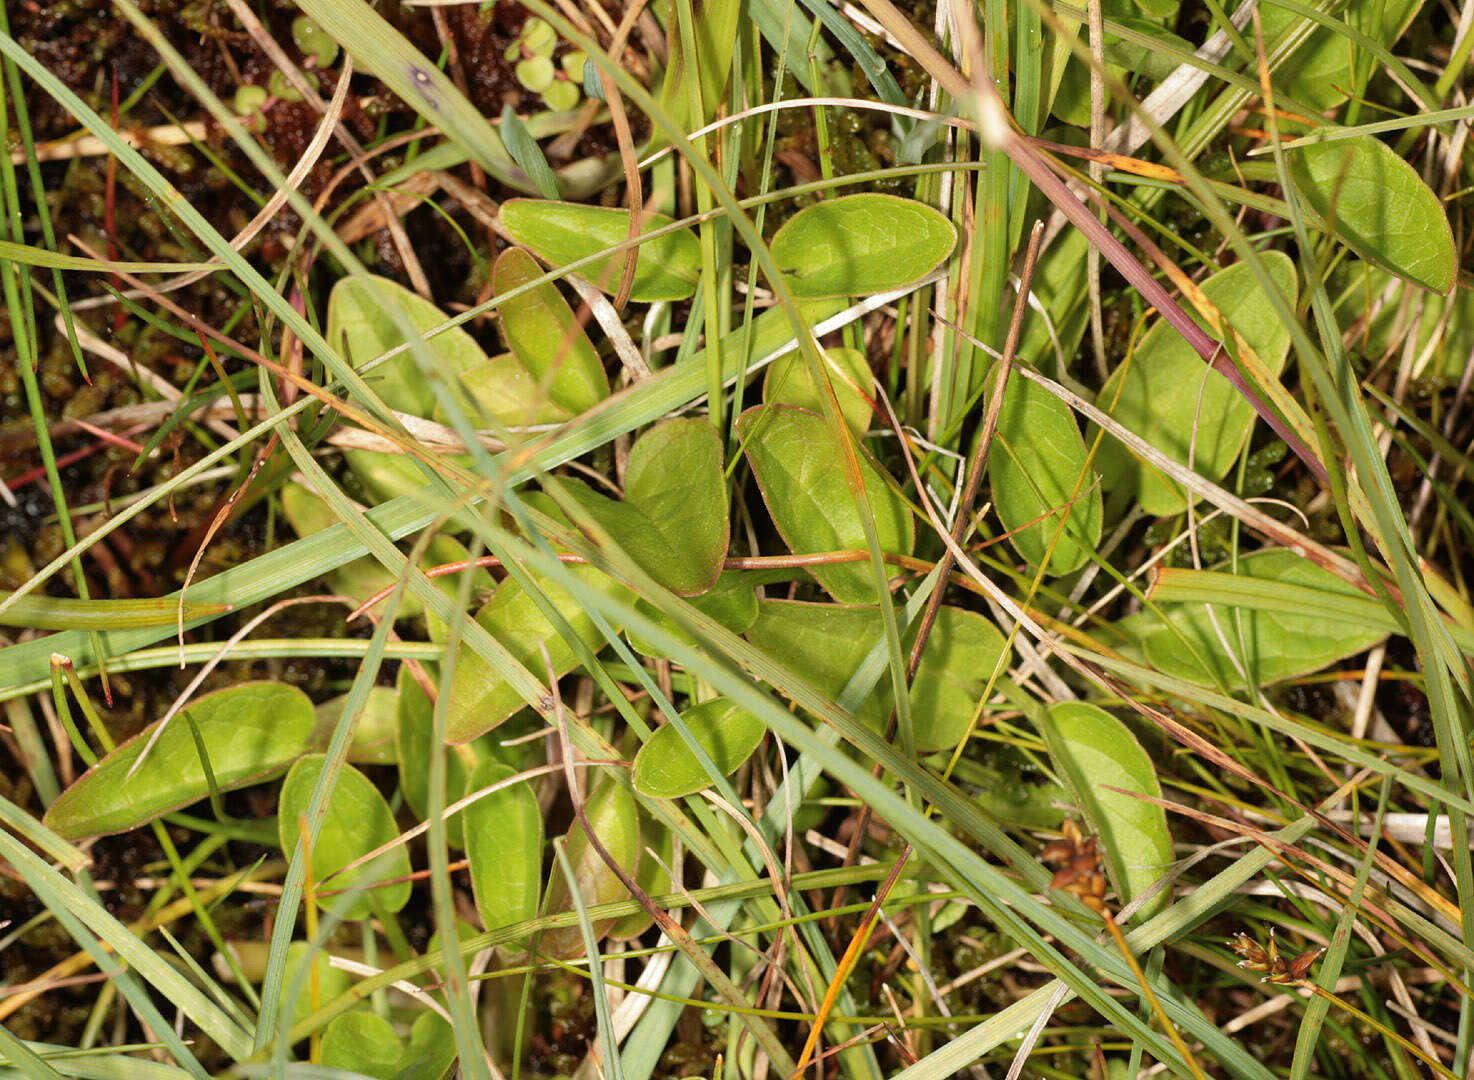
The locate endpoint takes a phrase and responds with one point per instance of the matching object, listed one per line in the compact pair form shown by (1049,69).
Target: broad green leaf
(730,602)
(959,660)
(1095,753)
(560,232)
(249,732)
(357,821)
(615,819)
(431,1049)
(364,1042)
(825,642)
(1269,646)
(501,392)
(789,382)
(1381,208)
(504,845)
(1143,60)
(480,699)
(833,640)
(543,333)
(360,327)
(651,875)
(374,731)
(797,463)
(414,742)
(1320,72)
(861,244)
(1041,484)
(1166,394)
(665,766)
(673,519)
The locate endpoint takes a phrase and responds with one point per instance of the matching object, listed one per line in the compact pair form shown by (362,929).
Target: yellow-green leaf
(1106,768)
(673,518)
(1044,492)
(1166,394)
(544,335)
(248,733)
(361,328)
(357,821)
(797,462)
(614,817)
(560,233)
(504,846)
(666,768)
(1381,207)
(860,244)
(480,699)
(789,382)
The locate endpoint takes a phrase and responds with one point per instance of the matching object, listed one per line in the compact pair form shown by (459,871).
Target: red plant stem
(62,462)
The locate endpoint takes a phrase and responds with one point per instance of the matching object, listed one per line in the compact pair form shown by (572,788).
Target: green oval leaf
(1166,394)
(795,457)
(832,641)
(357,821)
(360,327)
(1269,646)
(504,845)
(480,699)
(666,768)
(362,1042)
(1103,764)
(955,670)
(249,732)
(825,642)
(730,602)
(501,392)
(861,244)
(543,333)
(789,382)
(1044,491)
(387,476)
(431,1049)
(1380,206)
(373,739)
(365,1043)
(414,740)
(561,232)
(614,817)
(673,519)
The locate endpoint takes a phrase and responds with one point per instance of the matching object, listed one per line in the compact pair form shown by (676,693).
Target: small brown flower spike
(1268,961)
(1078,859)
